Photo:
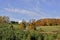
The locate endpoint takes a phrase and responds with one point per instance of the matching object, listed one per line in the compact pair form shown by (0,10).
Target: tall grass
(8,33)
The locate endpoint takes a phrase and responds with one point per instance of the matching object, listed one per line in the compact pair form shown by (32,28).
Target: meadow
(13,32)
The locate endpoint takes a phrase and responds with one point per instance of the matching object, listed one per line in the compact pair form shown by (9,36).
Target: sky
(30,9)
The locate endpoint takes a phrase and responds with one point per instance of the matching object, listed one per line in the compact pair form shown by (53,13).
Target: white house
(19,21)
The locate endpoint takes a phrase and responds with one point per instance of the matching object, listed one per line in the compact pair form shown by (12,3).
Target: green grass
(6,32)
(16,26)
(49,28)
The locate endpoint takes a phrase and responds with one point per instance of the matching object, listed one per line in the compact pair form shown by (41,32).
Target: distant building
(19,22)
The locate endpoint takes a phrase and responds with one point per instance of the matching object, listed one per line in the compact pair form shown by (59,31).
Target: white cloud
(14,19)
(36,11)
(30,13)
(43,13)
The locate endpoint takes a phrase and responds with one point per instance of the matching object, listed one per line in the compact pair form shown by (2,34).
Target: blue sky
(30,9)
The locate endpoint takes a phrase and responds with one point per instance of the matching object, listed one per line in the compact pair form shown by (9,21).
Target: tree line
(32,24)
(42,22)
(48,22)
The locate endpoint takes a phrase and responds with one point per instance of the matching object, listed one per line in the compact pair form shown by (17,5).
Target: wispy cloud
(30,8)
(14,19)
(36,11)
(43,13)
(30,13)
(50,2)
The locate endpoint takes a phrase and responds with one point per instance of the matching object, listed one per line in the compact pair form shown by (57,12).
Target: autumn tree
(4,19)
(23,25)
(32,24)
(48,22)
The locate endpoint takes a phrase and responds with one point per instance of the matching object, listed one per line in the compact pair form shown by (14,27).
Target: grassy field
(42,33)
(49,28)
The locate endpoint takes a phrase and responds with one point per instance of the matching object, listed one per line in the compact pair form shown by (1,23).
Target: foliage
(7,32)
(23,25)
(4,19)
(48,22)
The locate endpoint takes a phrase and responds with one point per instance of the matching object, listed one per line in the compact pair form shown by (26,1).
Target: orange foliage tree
(23,25)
